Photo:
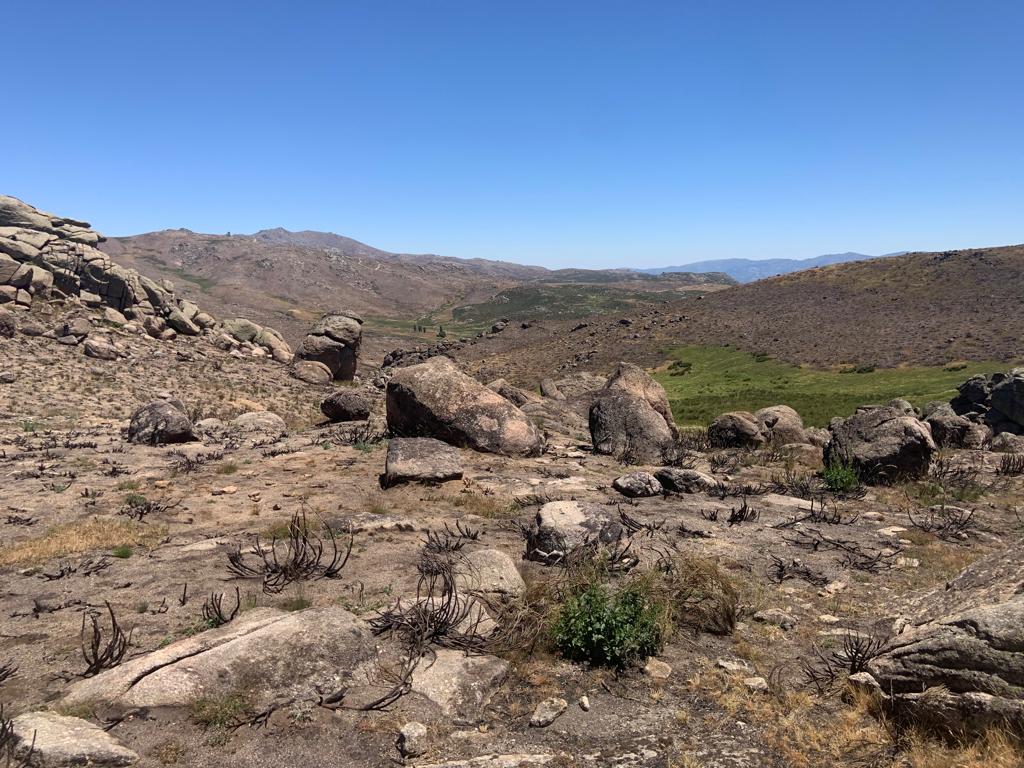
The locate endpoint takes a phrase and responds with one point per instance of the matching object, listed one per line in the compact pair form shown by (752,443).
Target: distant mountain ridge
(749,270)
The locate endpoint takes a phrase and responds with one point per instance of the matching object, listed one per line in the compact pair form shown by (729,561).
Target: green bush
(841,477)
(610,629)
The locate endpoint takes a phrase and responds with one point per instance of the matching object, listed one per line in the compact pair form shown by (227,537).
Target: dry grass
(807,731)
(86,536)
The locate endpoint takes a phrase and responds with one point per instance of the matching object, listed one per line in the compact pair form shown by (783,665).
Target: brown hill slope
(920,308)
(286,278)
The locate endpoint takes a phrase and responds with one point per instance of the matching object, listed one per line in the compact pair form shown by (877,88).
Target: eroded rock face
(958,665)
(460,685)
(489,572)
(680,480)
(435,399)
(160,422)
(268,653)
(518,397)
(420,459)
(334,341)
(882,444)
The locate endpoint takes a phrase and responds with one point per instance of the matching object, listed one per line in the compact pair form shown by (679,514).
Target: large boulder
(489,572)
(436,399)
(627,427)
(346,405)
(420,459)
(562,526)
(949,430)
(635,381)
(736,429)
(1006,404)
(159,422)
(334,341)
(882,444)
(678,480)
(269,654)
(957,665)
(518,397)
(781,425)
(260,423)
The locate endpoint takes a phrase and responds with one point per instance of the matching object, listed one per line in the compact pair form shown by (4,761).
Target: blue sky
(594,133)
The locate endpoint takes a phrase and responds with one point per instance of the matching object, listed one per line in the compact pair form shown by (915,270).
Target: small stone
(412,739)
(227,490)
(585,703)
(548,711)
(834,588)
(776,617)
(8,377)
(730,665)
(756,684)
(828,618)
(656,669)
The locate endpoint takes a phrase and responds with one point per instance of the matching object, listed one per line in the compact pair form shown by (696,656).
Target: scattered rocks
(420,459)
(637,485)
(435,399)
(62,741)
(756,684)
(948,429)
(548,711)
(518,397)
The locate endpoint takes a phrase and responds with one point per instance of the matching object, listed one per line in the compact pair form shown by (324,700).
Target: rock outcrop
(736,429)
(882,444)
(269,653)
(334,341)
(436,399)
(346,405)
(958,664)
(996,400)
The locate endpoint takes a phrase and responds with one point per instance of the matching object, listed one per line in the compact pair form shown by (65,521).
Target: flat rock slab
(420,459)
(459,684)
(61,741)
(496,761)
(267,652)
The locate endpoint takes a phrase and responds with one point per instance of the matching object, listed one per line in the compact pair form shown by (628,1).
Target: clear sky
(589,133)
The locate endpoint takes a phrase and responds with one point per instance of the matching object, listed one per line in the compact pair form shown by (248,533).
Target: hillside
(915,309)
(749,270)
(285,279)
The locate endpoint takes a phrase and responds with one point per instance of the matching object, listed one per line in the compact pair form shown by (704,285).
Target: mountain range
(749,270)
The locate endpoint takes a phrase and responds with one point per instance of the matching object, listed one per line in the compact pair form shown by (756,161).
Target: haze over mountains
(749,270)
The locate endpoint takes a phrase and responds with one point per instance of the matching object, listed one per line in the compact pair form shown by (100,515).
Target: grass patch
(86,536)
(721,379)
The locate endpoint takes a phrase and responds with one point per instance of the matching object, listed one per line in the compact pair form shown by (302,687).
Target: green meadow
(708,381)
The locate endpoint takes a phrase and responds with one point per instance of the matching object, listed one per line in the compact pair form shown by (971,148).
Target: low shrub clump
(841,477)
(610,628)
